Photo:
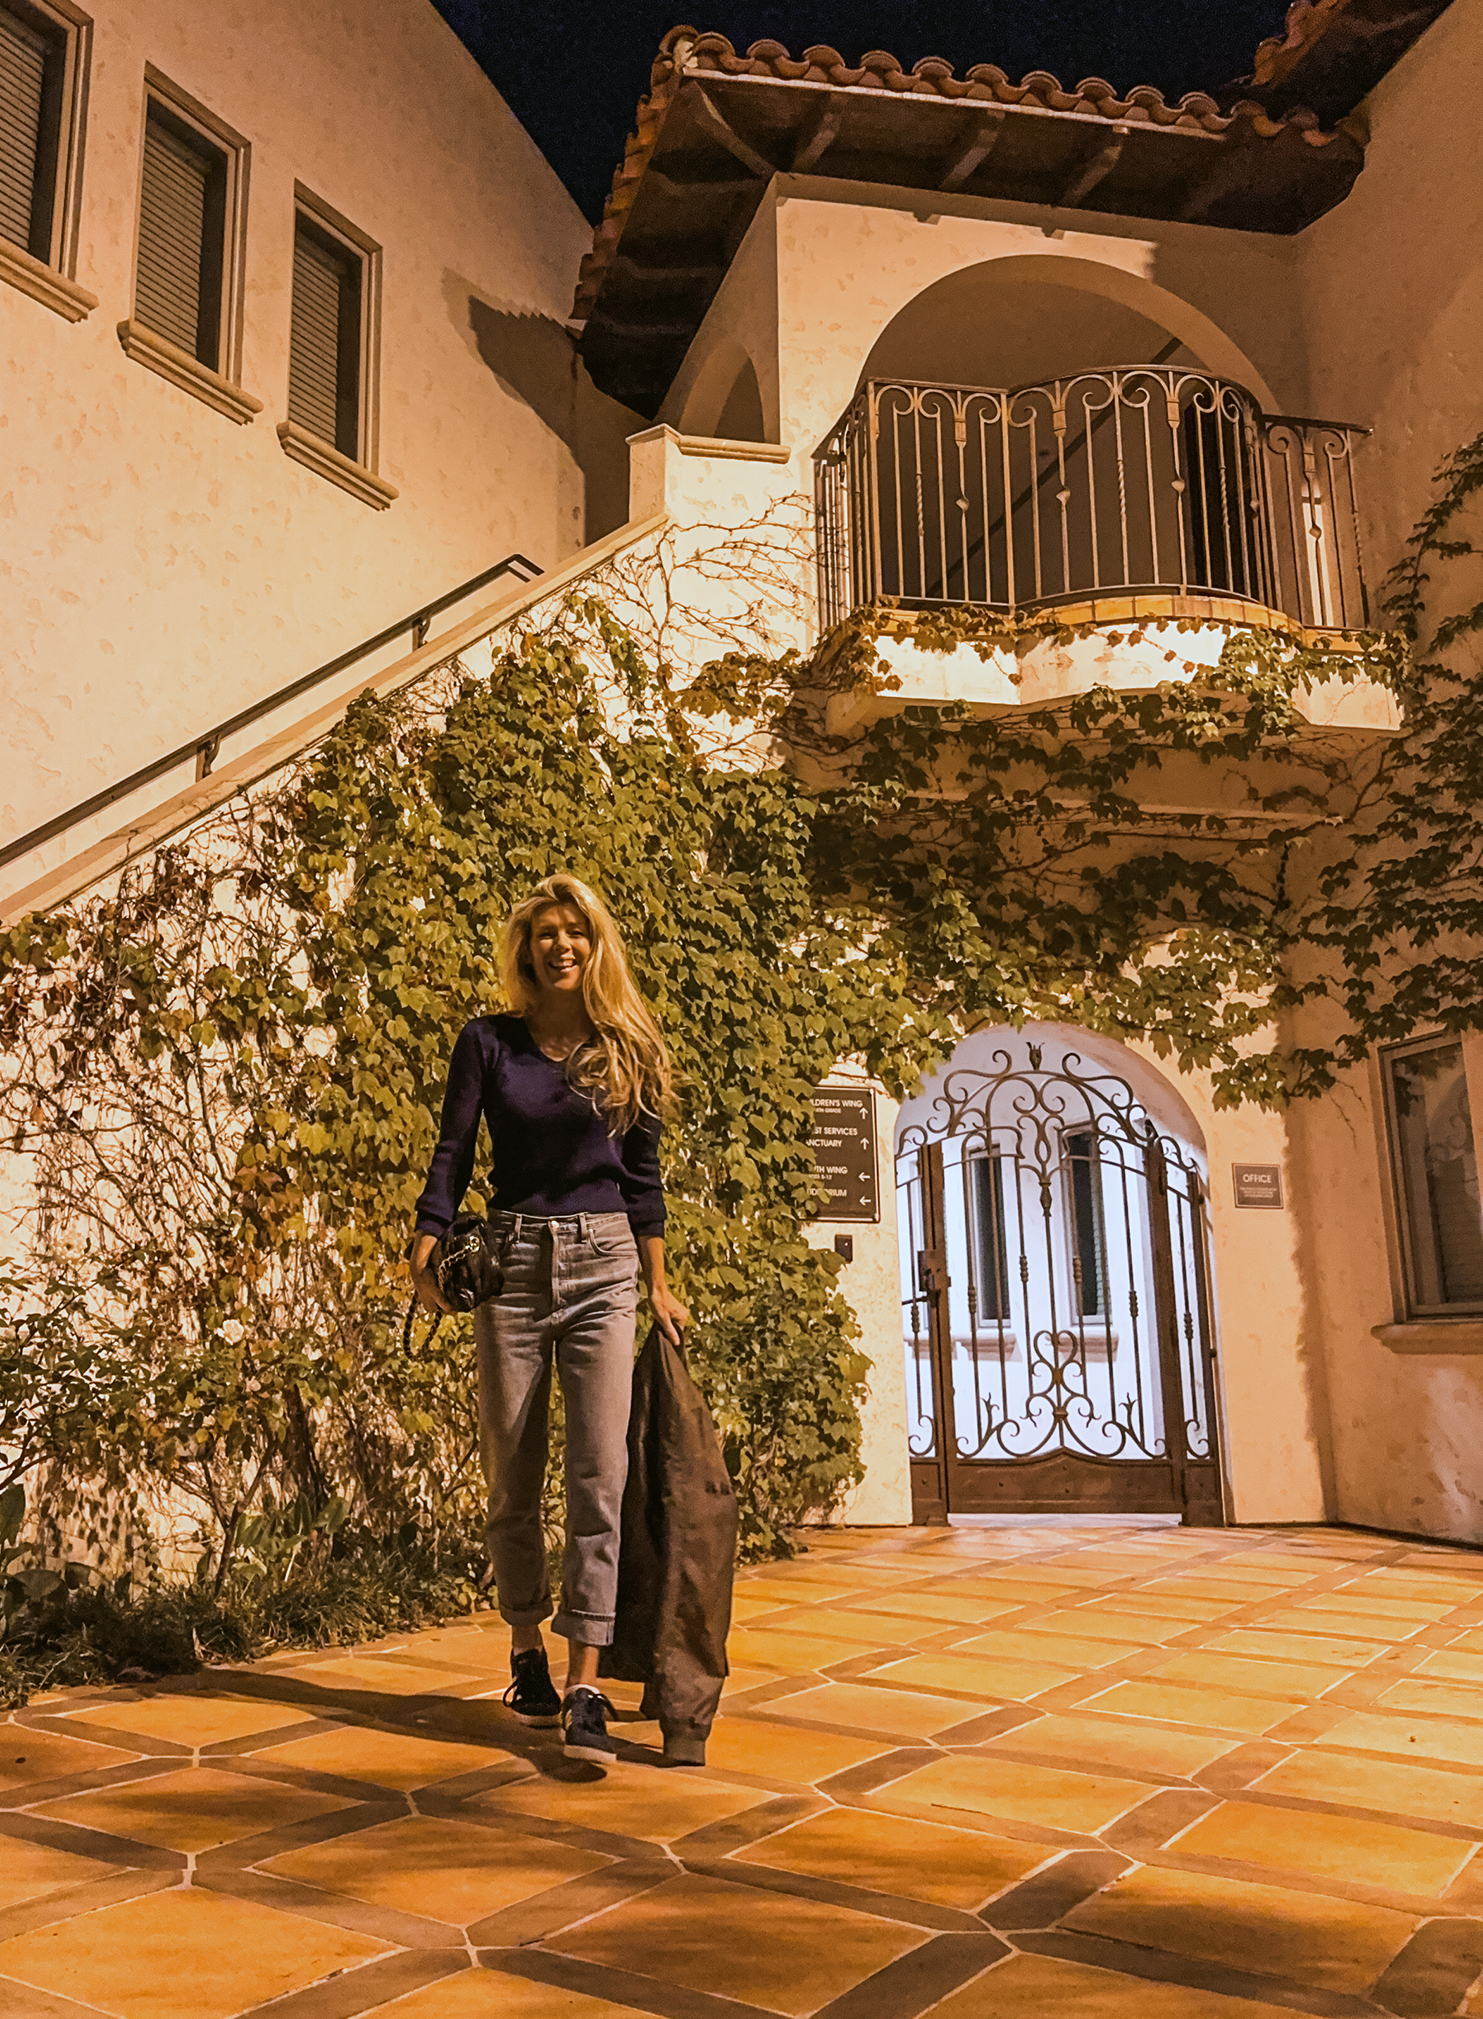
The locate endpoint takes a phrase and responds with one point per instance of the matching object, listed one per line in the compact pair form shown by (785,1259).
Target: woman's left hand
(670,1313)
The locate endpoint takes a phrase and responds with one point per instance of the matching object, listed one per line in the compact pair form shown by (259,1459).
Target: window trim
(1432,1335)
(356,474)
(1409,1313)
(220,388)
(52,281)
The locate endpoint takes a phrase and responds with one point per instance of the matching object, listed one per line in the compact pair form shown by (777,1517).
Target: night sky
(573,70)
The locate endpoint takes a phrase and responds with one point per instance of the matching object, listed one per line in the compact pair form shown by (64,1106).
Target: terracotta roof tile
(879,70)
(687,52)
(1306,21)
(1332,53)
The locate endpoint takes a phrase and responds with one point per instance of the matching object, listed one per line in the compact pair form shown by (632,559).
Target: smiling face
(560,948)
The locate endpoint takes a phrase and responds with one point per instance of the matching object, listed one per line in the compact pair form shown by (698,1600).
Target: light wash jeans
(571,1293)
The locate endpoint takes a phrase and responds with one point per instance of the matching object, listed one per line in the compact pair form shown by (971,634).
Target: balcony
(1122,492)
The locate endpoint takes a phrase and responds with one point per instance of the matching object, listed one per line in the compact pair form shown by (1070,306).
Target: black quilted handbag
(469,1273)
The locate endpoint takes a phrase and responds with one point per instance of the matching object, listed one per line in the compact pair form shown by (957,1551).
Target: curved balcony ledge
(1162,605)
(1116,489)
(1040,667)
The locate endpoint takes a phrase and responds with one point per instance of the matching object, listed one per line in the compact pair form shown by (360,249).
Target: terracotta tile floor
(1124,1772)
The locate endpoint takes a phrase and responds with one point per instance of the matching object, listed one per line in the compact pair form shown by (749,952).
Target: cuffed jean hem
(528,1615)
(591,1629)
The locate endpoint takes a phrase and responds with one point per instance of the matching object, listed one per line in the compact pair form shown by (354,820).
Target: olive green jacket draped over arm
(678,1549)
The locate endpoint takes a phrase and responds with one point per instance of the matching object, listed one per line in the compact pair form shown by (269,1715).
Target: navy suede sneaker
(584,1715)
(532,1695)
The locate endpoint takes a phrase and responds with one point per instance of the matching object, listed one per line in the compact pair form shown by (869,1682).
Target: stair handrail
(204,749)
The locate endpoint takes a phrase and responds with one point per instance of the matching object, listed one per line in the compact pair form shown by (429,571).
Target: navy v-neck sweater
(552,1151)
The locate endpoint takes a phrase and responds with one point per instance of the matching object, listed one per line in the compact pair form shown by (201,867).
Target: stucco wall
(1271,1373)
(162,566)
(871,1282)
(1392,292)
(1392,281)
(1406,1428)
(851,259)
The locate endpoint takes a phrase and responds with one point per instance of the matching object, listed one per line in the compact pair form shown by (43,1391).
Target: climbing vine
(225,1072)
(1121,859)
(229,1072)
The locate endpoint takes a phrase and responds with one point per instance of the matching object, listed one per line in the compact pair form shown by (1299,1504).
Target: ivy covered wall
(225,1072)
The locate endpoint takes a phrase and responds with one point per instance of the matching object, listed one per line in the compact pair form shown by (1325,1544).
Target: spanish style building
(314,375)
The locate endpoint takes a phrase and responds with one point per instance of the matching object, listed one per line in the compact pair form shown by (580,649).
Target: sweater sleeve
(643,1188)
(453,1160)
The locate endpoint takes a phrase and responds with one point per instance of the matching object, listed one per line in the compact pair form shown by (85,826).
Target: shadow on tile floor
(1134,1771)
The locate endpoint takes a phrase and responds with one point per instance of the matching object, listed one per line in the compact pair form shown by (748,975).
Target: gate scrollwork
(1075,1306)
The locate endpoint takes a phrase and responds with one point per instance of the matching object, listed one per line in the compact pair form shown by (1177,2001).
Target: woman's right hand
(424,1282)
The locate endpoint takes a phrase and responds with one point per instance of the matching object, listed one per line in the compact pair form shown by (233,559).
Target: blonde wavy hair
(624,1069)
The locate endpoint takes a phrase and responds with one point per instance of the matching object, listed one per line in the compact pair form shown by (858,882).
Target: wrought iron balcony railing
(1146,478)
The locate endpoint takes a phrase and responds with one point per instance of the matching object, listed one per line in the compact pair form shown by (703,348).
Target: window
(1436,1175)
(995,1301)
(26,189)
(182,219)
(1088,1232)
(332,352)
(188,263)
(324,344)
(43,69)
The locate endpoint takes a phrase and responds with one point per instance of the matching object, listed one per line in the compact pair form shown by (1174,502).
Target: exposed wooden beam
(818,133)
(689,186)
(972,150)
(1230,170)
(652,274)
(634,332)
(720,128)
(1090,173)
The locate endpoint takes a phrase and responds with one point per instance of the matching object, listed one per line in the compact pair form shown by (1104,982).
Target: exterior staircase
(83,847)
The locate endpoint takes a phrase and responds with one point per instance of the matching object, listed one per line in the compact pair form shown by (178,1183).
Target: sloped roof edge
(686,53)
(1332,53)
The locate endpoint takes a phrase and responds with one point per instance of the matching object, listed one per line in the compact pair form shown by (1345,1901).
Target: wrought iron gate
(1055,1301)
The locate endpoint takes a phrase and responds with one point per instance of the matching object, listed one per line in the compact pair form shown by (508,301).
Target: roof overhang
(717,127)
(1332,54)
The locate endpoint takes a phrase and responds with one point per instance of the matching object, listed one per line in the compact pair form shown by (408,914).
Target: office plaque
(844,1150)
(1258,1184)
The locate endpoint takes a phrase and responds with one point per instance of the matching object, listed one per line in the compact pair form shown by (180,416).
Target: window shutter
(172,217)
(22,82)
(314,339)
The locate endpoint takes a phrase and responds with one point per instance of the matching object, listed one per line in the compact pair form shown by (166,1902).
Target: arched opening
(726,398)
(1033,317)
(1035,431)
(1055,1285)
(982,328)
(741,416)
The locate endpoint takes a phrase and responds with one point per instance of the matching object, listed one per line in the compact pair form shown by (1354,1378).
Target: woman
(573,1087)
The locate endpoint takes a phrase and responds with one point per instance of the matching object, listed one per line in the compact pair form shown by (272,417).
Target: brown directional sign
(1257,1184)
(844,1150)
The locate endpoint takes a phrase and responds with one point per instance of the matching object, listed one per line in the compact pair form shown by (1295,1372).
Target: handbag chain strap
(407,1328)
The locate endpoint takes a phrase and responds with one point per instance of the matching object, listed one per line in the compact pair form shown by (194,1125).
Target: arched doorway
(1055,1285)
